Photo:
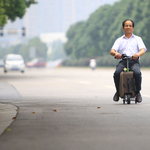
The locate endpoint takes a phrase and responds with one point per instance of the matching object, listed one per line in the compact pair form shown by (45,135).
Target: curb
(7,114)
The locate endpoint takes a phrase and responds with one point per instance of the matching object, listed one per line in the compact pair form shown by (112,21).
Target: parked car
(36,63)
(14,62)
(55,63)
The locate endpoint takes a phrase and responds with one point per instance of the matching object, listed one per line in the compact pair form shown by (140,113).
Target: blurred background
(48,33)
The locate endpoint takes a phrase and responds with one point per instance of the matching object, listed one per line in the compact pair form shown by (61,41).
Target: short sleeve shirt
(129,46)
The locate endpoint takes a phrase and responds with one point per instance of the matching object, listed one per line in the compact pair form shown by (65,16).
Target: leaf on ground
(33,112)
(55,110)
(8,129)
(98,107)
(14,118)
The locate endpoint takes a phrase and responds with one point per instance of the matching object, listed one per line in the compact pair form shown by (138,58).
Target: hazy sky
(56,15)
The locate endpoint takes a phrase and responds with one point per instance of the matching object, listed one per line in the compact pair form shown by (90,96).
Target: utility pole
(1,31)
(23,31)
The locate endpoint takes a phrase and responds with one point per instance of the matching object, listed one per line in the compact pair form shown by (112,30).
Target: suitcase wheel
(123,101)
(128,99)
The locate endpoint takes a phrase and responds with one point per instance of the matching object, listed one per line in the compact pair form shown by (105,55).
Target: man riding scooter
(131,45)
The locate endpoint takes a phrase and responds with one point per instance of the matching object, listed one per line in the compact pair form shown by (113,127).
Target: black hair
(123,23)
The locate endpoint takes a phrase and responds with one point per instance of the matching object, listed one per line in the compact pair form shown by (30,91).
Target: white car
(14,62)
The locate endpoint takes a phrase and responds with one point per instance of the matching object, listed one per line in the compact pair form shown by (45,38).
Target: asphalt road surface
(72,109)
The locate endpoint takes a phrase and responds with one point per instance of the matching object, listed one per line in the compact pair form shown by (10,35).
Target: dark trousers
(135,67)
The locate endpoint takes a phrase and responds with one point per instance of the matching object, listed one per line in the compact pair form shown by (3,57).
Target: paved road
(72,109)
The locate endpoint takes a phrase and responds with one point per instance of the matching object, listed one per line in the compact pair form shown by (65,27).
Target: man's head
(123,23)
(128,26)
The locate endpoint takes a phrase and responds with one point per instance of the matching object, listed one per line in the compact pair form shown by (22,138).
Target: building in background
(49,16)
(49,20)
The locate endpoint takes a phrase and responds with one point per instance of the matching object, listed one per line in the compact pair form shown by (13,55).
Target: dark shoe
(139,98)
(116,97)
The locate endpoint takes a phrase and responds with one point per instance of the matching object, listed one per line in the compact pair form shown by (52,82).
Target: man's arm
(140,53)
(114,53)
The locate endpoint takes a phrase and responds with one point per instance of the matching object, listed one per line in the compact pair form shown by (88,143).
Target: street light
(23,31)
(1,31)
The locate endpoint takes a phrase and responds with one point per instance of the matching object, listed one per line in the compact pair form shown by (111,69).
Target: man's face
(128,27)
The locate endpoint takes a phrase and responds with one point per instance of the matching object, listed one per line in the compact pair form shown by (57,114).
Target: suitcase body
(127,84)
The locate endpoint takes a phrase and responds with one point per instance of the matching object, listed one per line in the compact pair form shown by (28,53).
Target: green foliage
(96,36)
(2,14)
(105,61)
(24,49)
(29,2)
(77,62)
(11,9)
(101,62)
(41,48)
(57,51)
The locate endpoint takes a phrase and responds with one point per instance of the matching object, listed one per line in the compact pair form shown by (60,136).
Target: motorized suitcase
(127,84)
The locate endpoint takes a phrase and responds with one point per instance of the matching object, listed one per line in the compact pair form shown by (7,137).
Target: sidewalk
(7,110)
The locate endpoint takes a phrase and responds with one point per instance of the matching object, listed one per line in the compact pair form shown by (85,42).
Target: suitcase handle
(128,84)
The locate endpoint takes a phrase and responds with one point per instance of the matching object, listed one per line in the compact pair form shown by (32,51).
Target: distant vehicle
(92,63)
(13,62)
(36,63)
(55,63)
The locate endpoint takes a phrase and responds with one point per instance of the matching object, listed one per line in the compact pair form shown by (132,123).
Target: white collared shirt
(129,46)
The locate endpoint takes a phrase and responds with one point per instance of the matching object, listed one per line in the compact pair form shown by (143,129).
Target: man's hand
(140,53)
(117,55)
(135,56)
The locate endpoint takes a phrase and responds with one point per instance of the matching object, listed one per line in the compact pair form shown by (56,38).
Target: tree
(41,48)
(11,9)
(96,36)
(24,49)
(57,51)
(3,18)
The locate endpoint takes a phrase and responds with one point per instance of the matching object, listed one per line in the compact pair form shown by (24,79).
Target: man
(131,45)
